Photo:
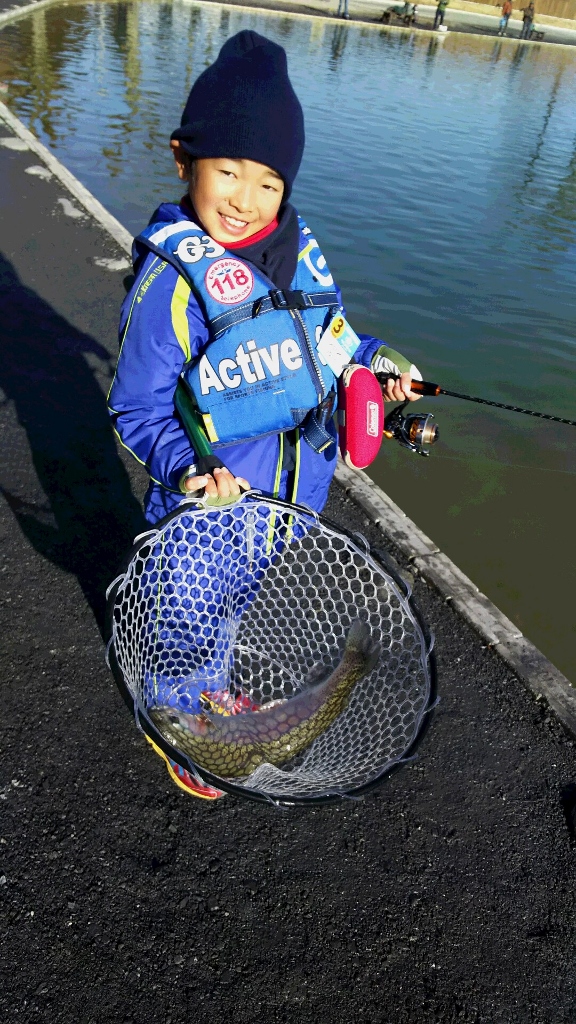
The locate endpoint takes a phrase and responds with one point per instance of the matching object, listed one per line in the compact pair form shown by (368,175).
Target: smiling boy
(234,199)
(231,297)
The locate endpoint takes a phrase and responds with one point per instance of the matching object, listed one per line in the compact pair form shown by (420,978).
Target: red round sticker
(229,281)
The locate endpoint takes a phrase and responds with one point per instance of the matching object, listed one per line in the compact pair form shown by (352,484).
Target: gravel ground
(446,895)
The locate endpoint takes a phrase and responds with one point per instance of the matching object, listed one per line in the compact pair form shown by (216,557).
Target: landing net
(243,605)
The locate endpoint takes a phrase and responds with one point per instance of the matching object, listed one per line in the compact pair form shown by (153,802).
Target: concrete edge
(84,197)
(353,20)
(20,12)
(471,5)
(11,15)
(15,12)
(528,663)
(534,670)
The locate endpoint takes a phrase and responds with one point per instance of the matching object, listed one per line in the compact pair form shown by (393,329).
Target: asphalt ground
(446,895)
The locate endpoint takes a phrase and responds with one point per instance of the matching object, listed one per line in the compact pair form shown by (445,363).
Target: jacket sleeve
(380,358)
(161,329)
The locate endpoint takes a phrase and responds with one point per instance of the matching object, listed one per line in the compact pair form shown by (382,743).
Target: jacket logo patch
(318,269)
(252,366)
(229,281)
(149,280)
(192,248)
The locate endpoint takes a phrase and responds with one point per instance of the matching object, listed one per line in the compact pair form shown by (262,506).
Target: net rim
(147,726)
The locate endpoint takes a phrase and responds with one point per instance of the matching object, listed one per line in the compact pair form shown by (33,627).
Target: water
(440,177)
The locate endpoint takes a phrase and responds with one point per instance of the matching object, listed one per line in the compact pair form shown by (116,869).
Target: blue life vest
(260,373)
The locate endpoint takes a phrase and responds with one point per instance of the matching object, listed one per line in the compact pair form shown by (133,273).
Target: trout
(233,747)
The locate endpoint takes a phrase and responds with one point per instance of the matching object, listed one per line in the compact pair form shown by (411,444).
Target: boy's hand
(386,361)
(218,484)
(397,389)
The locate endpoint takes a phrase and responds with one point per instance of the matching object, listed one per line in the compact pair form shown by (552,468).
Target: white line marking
(112,264)
(70,210)
(38,171)
(9,142)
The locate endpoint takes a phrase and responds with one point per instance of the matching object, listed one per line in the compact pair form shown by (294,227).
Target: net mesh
(241,606)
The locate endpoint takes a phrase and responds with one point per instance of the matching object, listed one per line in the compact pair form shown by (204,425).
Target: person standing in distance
(527,20)
(440,12)
(506,12)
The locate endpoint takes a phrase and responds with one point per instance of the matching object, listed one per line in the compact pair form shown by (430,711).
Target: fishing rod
(417,430)
(425,387)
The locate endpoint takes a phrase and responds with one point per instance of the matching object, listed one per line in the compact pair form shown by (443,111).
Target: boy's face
(233,198)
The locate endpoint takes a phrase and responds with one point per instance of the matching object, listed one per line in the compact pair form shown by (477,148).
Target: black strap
(279,299)
(206,463)
(314,428)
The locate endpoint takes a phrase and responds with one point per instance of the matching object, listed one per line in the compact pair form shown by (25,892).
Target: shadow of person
(90,515)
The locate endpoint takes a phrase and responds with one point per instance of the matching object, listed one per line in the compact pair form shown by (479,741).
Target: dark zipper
(310,357)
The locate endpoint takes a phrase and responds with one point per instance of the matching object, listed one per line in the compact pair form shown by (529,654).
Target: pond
(440,178)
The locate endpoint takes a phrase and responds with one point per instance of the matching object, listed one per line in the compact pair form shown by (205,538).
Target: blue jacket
(162,329)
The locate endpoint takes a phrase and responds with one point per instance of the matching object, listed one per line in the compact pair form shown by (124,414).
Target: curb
(358,20)
(533,669)
(20,12)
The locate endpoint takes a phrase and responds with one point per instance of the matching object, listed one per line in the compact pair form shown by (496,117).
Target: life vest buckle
(283,298)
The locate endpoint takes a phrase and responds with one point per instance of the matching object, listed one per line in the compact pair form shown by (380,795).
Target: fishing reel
(415,431)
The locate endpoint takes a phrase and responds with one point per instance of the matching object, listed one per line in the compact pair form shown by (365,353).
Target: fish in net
(247,606)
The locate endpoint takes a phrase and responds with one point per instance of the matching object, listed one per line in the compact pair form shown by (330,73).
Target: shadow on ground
(89,515)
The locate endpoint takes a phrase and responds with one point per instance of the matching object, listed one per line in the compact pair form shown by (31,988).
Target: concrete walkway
(446,896)
(365,11)
(487,24)
(370,11)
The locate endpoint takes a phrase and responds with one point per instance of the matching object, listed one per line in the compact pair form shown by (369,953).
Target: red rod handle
(421,387)
(425,387)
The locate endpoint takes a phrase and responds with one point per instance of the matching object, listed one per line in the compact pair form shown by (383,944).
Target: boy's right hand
(400,371)
(218,484)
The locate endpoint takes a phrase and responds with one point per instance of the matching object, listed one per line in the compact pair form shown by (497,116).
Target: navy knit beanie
(244,107)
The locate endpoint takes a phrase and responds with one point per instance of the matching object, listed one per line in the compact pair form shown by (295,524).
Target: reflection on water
(441,178)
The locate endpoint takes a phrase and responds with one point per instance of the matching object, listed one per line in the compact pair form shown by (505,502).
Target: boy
(233,293)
